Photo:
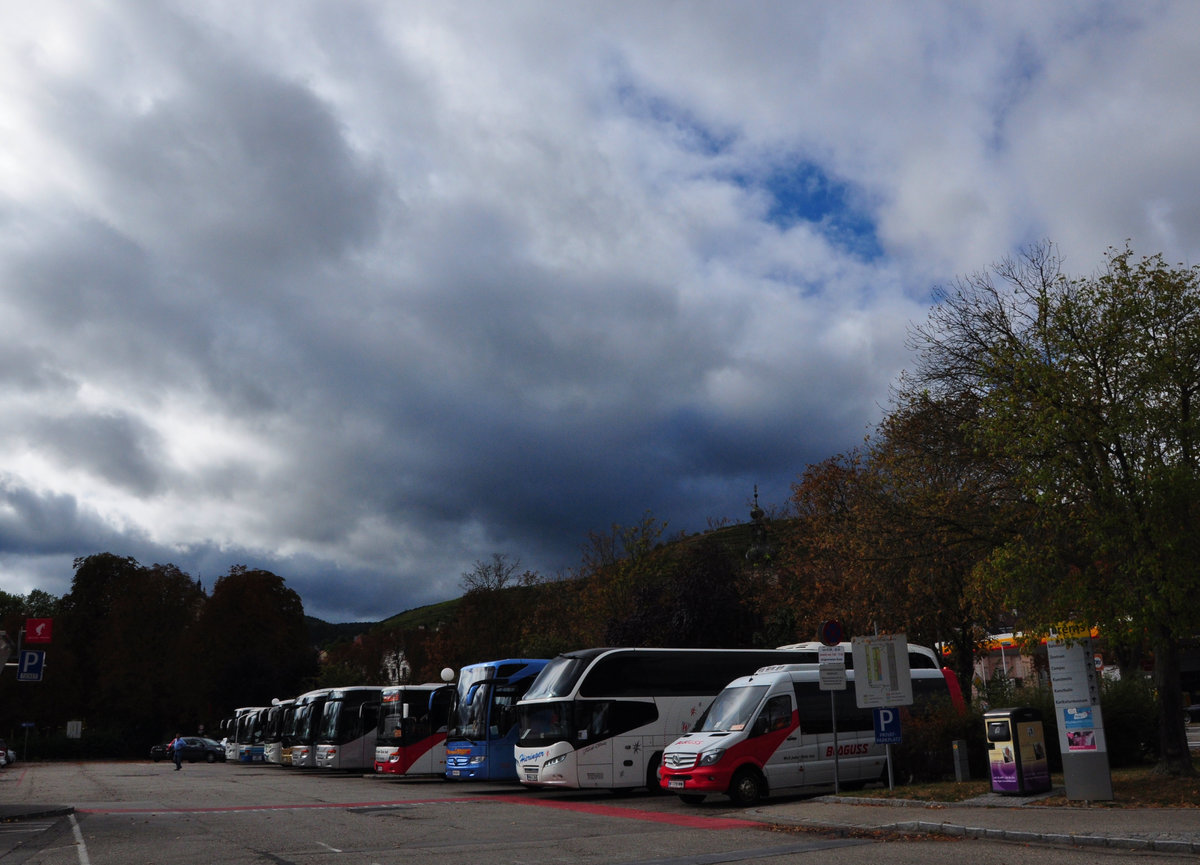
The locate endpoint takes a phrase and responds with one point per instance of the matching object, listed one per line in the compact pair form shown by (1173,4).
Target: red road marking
(690,821)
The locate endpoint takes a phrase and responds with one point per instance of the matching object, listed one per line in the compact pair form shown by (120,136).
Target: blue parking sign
(31,666)
(887,725)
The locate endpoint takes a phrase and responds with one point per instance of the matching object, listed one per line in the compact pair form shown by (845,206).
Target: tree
(255,640)
(1086,391)
(124,637)
(934,509)
(490,576)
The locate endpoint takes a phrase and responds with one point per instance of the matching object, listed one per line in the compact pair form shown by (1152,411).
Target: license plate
(674,783)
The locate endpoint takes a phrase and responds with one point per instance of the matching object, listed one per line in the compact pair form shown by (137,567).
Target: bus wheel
(691,798)
(747,787)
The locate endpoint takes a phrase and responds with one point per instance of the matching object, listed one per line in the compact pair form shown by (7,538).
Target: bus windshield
(732,710)
(544,724)
(469,718)
(331,719)
(558,678)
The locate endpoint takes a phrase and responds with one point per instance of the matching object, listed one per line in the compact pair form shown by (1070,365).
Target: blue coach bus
(483,718)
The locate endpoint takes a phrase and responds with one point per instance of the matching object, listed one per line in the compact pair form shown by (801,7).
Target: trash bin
(1017,751)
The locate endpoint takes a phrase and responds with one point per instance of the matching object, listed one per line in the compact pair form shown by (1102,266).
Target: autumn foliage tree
(1086,396)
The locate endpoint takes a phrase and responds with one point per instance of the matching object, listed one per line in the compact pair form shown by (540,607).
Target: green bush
(1131,714)
(1128,707)
(926,751)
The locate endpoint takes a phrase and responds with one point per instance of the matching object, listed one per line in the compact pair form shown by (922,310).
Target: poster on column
(1076,689)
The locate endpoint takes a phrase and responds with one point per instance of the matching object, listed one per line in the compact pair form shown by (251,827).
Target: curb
(45,812)
(1117,843)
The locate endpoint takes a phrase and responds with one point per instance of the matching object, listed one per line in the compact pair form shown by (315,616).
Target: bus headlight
(554,760)
(477,759)
(711,758)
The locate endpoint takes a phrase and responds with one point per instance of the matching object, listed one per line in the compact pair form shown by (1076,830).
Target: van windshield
(732,710)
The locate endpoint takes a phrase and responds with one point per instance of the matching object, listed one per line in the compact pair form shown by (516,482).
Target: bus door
(368,719)
(433,728)
(594,732)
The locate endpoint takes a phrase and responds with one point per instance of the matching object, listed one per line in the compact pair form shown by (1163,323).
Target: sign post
(831,675)
(883,679)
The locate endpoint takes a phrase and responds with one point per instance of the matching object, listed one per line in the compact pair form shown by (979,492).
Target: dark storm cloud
(364,293)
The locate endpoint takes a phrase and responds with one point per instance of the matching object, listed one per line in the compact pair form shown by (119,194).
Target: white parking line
(79,845)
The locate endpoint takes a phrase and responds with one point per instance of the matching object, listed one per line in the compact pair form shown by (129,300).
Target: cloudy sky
(365,292)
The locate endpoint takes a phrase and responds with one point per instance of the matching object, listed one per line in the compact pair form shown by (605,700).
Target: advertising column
(1077,703)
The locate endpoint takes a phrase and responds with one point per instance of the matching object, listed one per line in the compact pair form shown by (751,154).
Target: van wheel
(747,787)
(691,798)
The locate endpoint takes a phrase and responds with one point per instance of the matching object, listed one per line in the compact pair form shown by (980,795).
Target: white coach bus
(600,718)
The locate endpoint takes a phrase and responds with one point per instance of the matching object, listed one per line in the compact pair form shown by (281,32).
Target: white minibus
(775,731)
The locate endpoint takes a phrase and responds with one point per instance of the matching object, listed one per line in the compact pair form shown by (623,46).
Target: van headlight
(711,758)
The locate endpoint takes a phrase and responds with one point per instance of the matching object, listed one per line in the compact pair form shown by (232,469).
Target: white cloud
(364,292)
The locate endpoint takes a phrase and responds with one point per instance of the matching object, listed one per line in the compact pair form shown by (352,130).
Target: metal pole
(833,717)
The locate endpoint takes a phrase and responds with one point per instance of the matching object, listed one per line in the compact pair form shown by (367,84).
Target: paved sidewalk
(1168,830)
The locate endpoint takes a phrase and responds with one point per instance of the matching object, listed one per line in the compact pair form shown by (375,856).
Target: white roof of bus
(814,646)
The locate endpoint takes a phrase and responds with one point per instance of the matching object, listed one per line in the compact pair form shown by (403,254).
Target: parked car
(7,755)
(1191,714)
(194,748)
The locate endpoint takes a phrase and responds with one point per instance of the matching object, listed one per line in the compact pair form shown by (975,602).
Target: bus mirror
(471,694)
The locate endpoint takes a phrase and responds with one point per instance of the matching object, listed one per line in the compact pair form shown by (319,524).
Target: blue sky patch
(803,193)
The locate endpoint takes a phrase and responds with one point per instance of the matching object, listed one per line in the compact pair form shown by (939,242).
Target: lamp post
(6,649)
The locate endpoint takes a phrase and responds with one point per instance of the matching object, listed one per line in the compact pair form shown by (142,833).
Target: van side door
(779,737)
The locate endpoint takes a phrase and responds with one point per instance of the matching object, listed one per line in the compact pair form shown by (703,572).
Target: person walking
(177,751)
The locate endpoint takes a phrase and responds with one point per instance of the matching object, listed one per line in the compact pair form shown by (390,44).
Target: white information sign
(831,674)
(882,676)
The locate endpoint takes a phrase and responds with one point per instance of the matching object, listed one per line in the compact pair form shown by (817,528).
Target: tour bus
(601,717)
(347,735)
(411,733)
(300,748)
(775,730)
(278,716)
(249,735)
(229,730)
(483,718)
